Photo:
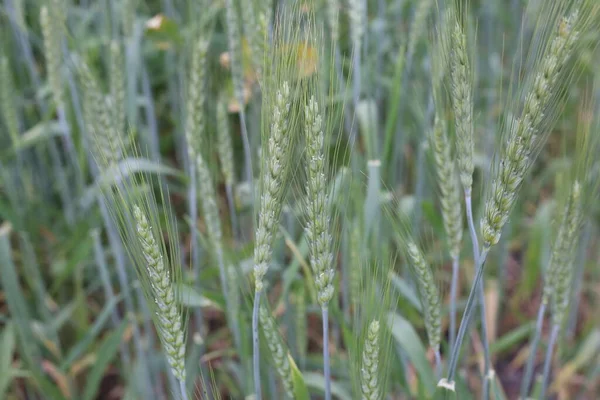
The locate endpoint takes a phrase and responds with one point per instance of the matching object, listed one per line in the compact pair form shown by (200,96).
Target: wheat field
(299,199)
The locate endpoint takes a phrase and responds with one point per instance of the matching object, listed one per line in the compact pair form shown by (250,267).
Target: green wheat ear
(370,363)
(430,295)
(524,135)
(149,234)
(278,349)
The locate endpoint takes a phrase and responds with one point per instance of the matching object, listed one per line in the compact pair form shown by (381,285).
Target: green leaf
(163,31)
(106,352)
(300,389)
(189,297)
(37,134)
(7,347)
(405,290)
(18,309)
(512,338)
(91,334)
(409,341)
(122,170)
(317,381)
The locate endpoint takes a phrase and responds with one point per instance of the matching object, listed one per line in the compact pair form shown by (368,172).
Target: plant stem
(548,361)
(326,366)
(184,395)
(486,347)
(438,364)
(532,351)
(472,231)
(453,294)
(481,293)
(232,211)
(467,315)
(256,346)
(246,146)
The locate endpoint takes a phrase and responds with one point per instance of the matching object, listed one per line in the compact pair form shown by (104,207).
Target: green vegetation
(257,199)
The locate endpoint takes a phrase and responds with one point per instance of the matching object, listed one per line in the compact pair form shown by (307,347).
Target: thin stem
(548,361)
(484,342)
(246,146)
(532,351)
(481,293)
(326,366)
(232,211)
(438,364)
(453,295)
(256,347)
(68,143)
(467,315)
(472,231)
(184,395)
(109,292)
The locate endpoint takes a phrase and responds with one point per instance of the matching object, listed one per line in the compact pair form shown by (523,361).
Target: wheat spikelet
(235,49)
(117,85)
(418,25)
(224,145)
(355,275)
(272,184)
(462,102)
(317,226)
(333,7)
(370,363)
(256,19)
(168,317)
(563,252)
(523,135)
(450,198)
(357,13)
(301,328)
(107,144)
(430,296)
(195,119)
(209,203)
(278,351)
(128,16)
(51,31)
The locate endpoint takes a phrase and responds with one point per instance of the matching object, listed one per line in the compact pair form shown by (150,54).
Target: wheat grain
(370,363)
